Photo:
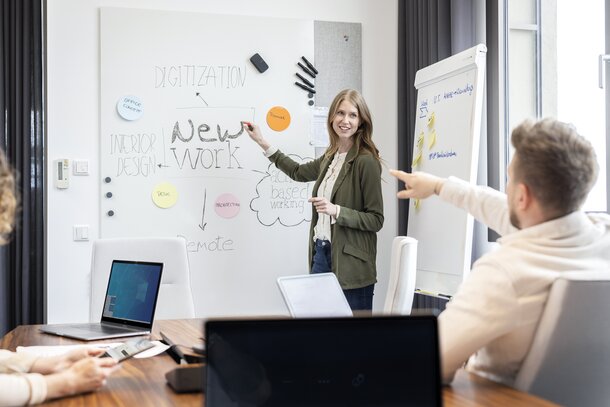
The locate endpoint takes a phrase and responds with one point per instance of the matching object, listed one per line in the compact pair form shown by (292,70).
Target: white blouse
(322,228)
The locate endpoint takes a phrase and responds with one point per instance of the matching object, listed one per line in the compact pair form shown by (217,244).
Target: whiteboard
(447,135)
(174,88)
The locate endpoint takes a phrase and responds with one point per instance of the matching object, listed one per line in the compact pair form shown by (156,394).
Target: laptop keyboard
(105,329)
(110,329)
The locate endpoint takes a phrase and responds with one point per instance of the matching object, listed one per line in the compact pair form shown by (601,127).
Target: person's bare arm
(418,185)
(85,375)
(255,134)
(55,364)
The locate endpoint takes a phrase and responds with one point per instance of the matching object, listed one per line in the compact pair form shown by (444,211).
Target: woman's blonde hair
(363,137)
(8,199)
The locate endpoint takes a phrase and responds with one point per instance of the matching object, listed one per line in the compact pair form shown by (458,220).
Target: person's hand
(256,135)
(323,205)
(418,185)
(83,376)
(54,364)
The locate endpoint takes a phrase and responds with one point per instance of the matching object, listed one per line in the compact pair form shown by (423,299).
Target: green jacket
(358,192)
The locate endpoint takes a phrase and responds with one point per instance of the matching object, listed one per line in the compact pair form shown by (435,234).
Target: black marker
(311,85)
(308,89)
(307,71)
(310,65)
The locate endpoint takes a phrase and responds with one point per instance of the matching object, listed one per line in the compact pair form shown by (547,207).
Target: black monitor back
(378,361)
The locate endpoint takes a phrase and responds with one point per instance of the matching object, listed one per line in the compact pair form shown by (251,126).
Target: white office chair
(569,360)
(175,297)
(401,284)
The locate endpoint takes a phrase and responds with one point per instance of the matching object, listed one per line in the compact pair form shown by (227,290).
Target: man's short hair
(555,162)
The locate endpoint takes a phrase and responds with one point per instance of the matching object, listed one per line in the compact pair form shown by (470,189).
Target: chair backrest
(401,284)
(569,360)
(175,296)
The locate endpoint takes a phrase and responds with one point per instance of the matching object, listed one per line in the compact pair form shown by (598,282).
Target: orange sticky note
(278,118)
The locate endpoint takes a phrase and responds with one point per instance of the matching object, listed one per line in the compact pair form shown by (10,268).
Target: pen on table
(308,89)
(307,70)
(430,293)
(175,349)
(310,65)
(301,77)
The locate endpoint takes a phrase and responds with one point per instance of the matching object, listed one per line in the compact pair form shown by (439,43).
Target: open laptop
(129,306)
(314,295)
(355,361)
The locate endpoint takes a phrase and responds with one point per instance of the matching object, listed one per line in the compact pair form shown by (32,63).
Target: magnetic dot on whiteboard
(278,118)
(130,107)
(165,195)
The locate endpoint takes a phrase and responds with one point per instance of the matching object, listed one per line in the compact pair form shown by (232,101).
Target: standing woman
(346,197)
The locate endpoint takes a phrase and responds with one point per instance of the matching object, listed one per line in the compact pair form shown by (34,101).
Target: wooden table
(141,382)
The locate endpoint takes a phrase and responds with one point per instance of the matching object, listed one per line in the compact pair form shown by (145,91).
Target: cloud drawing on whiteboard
(280,199)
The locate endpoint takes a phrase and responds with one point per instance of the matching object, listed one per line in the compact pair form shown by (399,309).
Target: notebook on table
(129,305)
(355,361)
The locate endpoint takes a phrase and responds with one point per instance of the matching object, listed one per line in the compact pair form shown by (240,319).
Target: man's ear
(524,196)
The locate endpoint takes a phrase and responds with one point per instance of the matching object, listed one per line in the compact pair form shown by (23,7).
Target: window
(552,49)
(580,100)
(523,61)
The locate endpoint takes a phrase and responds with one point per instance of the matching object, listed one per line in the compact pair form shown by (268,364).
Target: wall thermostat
(62,173)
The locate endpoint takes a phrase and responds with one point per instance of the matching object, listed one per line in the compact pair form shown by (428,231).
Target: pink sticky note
(227,205)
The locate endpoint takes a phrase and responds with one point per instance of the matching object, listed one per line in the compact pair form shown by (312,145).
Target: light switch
(80,167)
(81,233)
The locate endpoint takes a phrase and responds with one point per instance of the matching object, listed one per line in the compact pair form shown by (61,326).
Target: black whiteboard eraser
(259,63)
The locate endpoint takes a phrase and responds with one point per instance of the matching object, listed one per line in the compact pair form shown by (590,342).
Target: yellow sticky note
(420,140)
(417,159)
(431,139)
(416,203)
(431,120)
(165,195)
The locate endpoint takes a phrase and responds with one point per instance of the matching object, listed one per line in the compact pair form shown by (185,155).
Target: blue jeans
(357,298)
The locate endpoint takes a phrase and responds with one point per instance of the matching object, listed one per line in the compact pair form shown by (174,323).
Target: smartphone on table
(128,349)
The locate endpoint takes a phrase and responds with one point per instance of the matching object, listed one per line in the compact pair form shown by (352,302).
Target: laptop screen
(314,295)
(380,361)
(132,292)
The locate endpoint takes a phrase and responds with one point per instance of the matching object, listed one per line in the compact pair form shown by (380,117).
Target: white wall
(73,120)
